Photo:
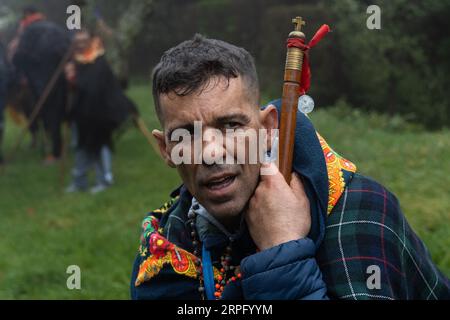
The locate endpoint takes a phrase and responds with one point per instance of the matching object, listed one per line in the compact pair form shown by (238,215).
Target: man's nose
(214,151)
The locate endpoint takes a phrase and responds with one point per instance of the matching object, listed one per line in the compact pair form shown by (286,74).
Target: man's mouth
(220,183)
(220,186)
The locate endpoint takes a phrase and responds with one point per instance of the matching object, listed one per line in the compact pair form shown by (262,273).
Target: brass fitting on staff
(294,57)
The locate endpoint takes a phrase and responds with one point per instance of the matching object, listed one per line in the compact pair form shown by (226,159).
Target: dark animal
(42,46)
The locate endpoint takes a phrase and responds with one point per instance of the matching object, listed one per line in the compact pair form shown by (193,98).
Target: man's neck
(232,224)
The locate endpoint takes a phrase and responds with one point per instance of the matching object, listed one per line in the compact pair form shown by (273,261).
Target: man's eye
(232,125)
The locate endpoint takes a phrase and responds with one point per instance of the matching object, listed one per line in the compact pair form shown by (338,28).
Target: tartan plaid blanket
(368,239)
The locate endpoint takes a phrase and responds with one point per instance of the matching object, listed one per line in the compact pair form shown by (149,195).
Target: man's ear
(269,120)
(160,139)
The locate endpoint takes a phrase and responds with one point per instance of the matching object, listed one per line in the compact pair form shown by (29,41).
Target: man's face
(223,189)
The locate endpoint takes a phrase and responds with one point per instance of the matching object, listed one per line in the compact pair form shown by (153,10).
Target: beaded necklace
(227,273)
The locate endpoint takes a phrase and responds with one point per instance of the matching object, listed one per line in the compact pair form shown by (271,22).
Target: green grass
(43,231)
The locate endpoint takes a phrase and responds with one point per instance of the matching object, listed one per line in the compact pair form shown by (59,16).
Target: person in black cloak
(40,47)
(99,107)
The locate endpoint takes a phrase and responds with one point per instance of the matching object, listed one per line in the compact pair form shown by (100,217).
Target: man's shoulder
(367,200)
(158,216)
(157,252)
(367,234)
(367,214)
(362,230)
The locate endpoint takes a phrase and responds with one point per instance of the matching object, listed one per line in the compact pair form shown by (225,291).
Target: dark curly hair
(189,67)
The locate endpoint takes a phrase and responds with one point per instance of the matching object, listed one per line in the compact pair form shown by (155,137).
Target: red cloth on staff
(305,81)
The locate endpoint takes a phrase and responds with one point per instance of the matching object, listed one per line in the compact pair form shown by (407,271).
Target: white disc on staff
(305,104)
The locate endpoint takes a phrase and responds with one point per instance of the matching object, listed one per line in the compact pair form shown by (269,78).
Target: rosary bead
(191,214)
(201,289)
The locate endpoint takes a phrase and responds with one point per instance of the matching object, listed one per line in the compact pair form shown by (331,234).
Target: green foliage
(374,119)
(43,231)
(400,69)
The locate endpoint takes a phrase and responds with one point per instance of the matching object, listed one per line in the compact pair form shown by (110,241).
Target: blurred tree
(121,33)
(129,27)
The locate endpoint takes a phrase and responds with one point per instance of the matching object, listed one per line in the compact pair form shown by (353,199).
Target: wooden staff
(139,122)
(289,100)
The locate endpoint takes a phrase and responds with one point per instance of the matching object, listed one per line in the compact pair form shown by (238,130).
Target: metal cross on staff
(298,23)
